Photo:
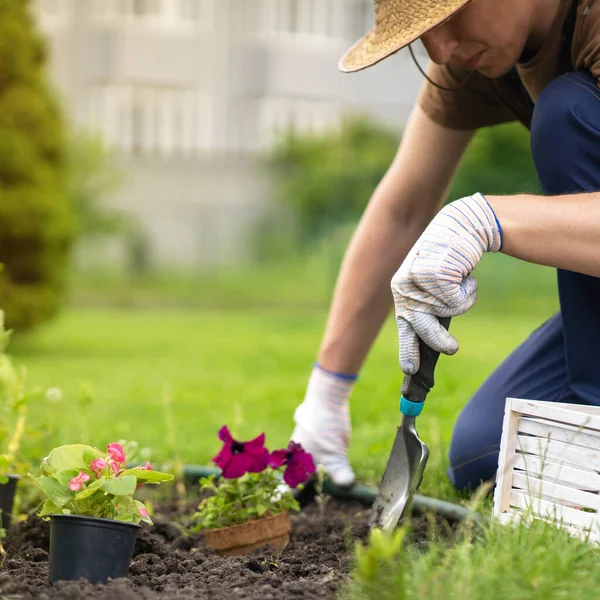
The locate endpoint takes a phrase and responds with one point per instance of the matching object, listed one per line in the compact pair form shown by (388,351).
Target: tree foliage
(36,223)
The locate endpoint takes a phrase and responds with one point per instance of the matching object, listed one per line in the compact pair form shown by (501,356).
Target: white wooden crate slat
(508,444)
(560,451)
(537,488)
(575,436)
(590,410)
(553,511)
(549,466)
(515,516)
(536,466)
(559,413)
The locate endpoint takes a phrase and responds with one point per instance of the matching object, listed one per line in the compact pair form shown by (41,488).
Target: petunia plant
(83,480)
(251,487)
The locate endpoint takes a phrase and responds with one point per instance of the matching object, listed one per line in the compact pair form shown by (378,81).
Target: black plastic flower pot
(90,548)
(7,499)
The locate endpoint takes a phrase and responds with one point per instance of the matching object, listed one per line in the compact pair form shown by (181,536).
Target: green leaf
(144,476)
(125,518)
(122,486)
(128,510)
(64,477)
(90,453)
(130,448)
(90,489)
(56,492)
(49,508)
(74,456)
(124,503)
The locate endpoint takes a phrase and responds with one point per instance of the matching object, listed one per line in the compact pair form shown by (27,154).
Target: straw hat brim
(395,31)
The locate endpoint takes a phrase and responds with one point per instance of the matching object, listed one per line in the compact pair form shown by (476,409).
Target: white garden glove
(323,423)
(434,279)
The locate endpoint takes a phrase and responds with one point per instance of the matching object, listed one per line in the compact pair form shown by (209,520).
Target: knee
(565,134)
(467,473)
(473,454)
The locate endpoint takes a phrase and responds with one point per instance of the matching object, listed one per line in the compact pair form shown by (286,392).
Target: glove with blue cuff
(435,278)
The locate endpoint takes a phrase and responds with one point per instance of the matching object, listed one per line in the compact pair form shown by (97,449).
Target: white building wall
(190,91)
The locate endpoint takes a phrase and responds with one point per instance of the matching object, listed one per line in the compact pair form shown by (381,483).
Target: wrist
(496,246)
(324,391)
(475,214)
(520,216)
(349,377)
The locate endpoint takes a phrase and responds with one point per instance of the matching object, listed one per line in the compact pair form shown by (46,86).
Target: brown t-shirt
(482,101)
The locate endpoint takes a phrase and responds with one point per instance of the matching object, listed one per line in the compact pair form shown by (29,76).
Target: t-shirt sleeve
(471,106)
(586,40)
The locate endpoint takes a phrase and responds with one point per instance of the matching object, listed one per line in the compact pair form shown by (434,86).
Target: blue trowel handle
(422,381)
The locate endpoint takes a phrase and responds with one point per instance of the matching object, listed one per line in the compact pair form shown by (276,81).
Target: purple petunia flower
(299,464)
(237,458)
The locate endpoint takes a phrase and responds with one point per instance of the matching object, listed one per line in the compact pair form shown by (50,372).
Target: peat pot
(238,540)
(88,547)
(7,499)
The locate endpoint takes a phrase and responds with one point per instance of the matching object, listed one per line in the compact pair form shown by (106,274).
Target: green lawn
(247,369)
(494,562)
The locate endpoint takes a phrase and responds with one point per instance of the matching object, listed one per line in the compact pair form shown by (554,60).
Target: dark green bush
(36,224)
(93,172)
(498,161)
(327,180)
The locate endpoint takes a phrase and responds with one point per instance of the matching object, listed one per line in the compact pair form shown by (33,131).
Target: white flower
(53,394)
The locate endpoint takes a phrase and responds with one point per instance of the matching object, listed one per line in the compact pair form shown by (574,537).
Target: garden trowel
(406,464)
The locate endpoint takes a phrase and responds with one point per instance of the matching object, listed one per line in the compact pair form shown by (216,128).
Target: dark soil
(173,566)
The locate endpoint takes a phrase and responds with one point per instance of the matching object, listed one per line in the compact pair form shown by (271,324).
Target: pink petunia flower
(299,464)
(237,458)
(115,467)
(148,467)
(97,465)
(77,482)
(143,512)
(116,452)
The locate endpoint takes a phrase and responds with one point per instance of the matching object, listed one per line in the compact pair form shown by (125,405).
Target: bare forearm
(362,297)
(557,231)
(403,204)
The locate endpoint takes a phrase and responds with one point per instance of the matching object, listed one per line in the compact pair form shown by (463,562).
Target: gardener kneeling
(537,62)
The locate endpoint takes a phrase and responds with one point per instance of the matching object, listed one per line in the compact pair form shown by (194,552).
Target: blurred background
(209,136)
(180,179)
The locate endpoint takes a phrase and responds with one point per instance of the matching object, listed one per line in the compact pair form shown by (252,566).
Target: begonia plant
(251,485)
(83,480)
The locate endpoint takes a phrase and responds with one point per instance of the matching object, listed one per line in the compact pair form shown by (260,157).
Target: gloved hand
(434,280)
(323,423)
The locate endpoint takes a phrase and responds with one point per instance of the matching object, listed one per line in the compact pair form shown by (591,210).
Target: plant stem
(15,441)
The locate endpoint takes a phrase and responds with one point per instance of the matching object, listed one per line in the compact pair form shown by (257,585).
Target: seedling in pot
(94,518)
(249,507)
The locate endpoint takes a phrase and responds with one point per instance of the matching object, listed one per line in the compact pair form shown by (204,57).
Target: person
(536,62)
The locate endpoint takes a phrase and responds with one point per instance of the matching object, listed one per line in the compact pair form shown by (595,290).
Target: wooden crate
(549,466)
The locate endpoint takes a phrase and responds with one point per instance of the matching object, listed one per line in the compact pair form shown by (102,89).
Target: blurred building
(191,91)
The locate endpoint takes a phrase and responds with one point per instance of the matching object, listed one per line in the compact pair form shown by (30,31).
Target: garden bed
(168,564)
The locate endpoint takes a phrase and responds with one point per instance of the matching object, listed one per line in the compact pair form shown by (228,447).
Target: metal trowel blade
(401,478)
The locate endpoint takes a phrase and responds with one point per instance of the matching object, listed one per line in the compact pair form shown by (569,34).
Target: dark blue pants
(560,361)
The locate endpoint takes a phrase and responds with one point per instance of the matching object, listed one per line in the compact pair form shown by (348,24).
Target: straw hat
(397,24)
